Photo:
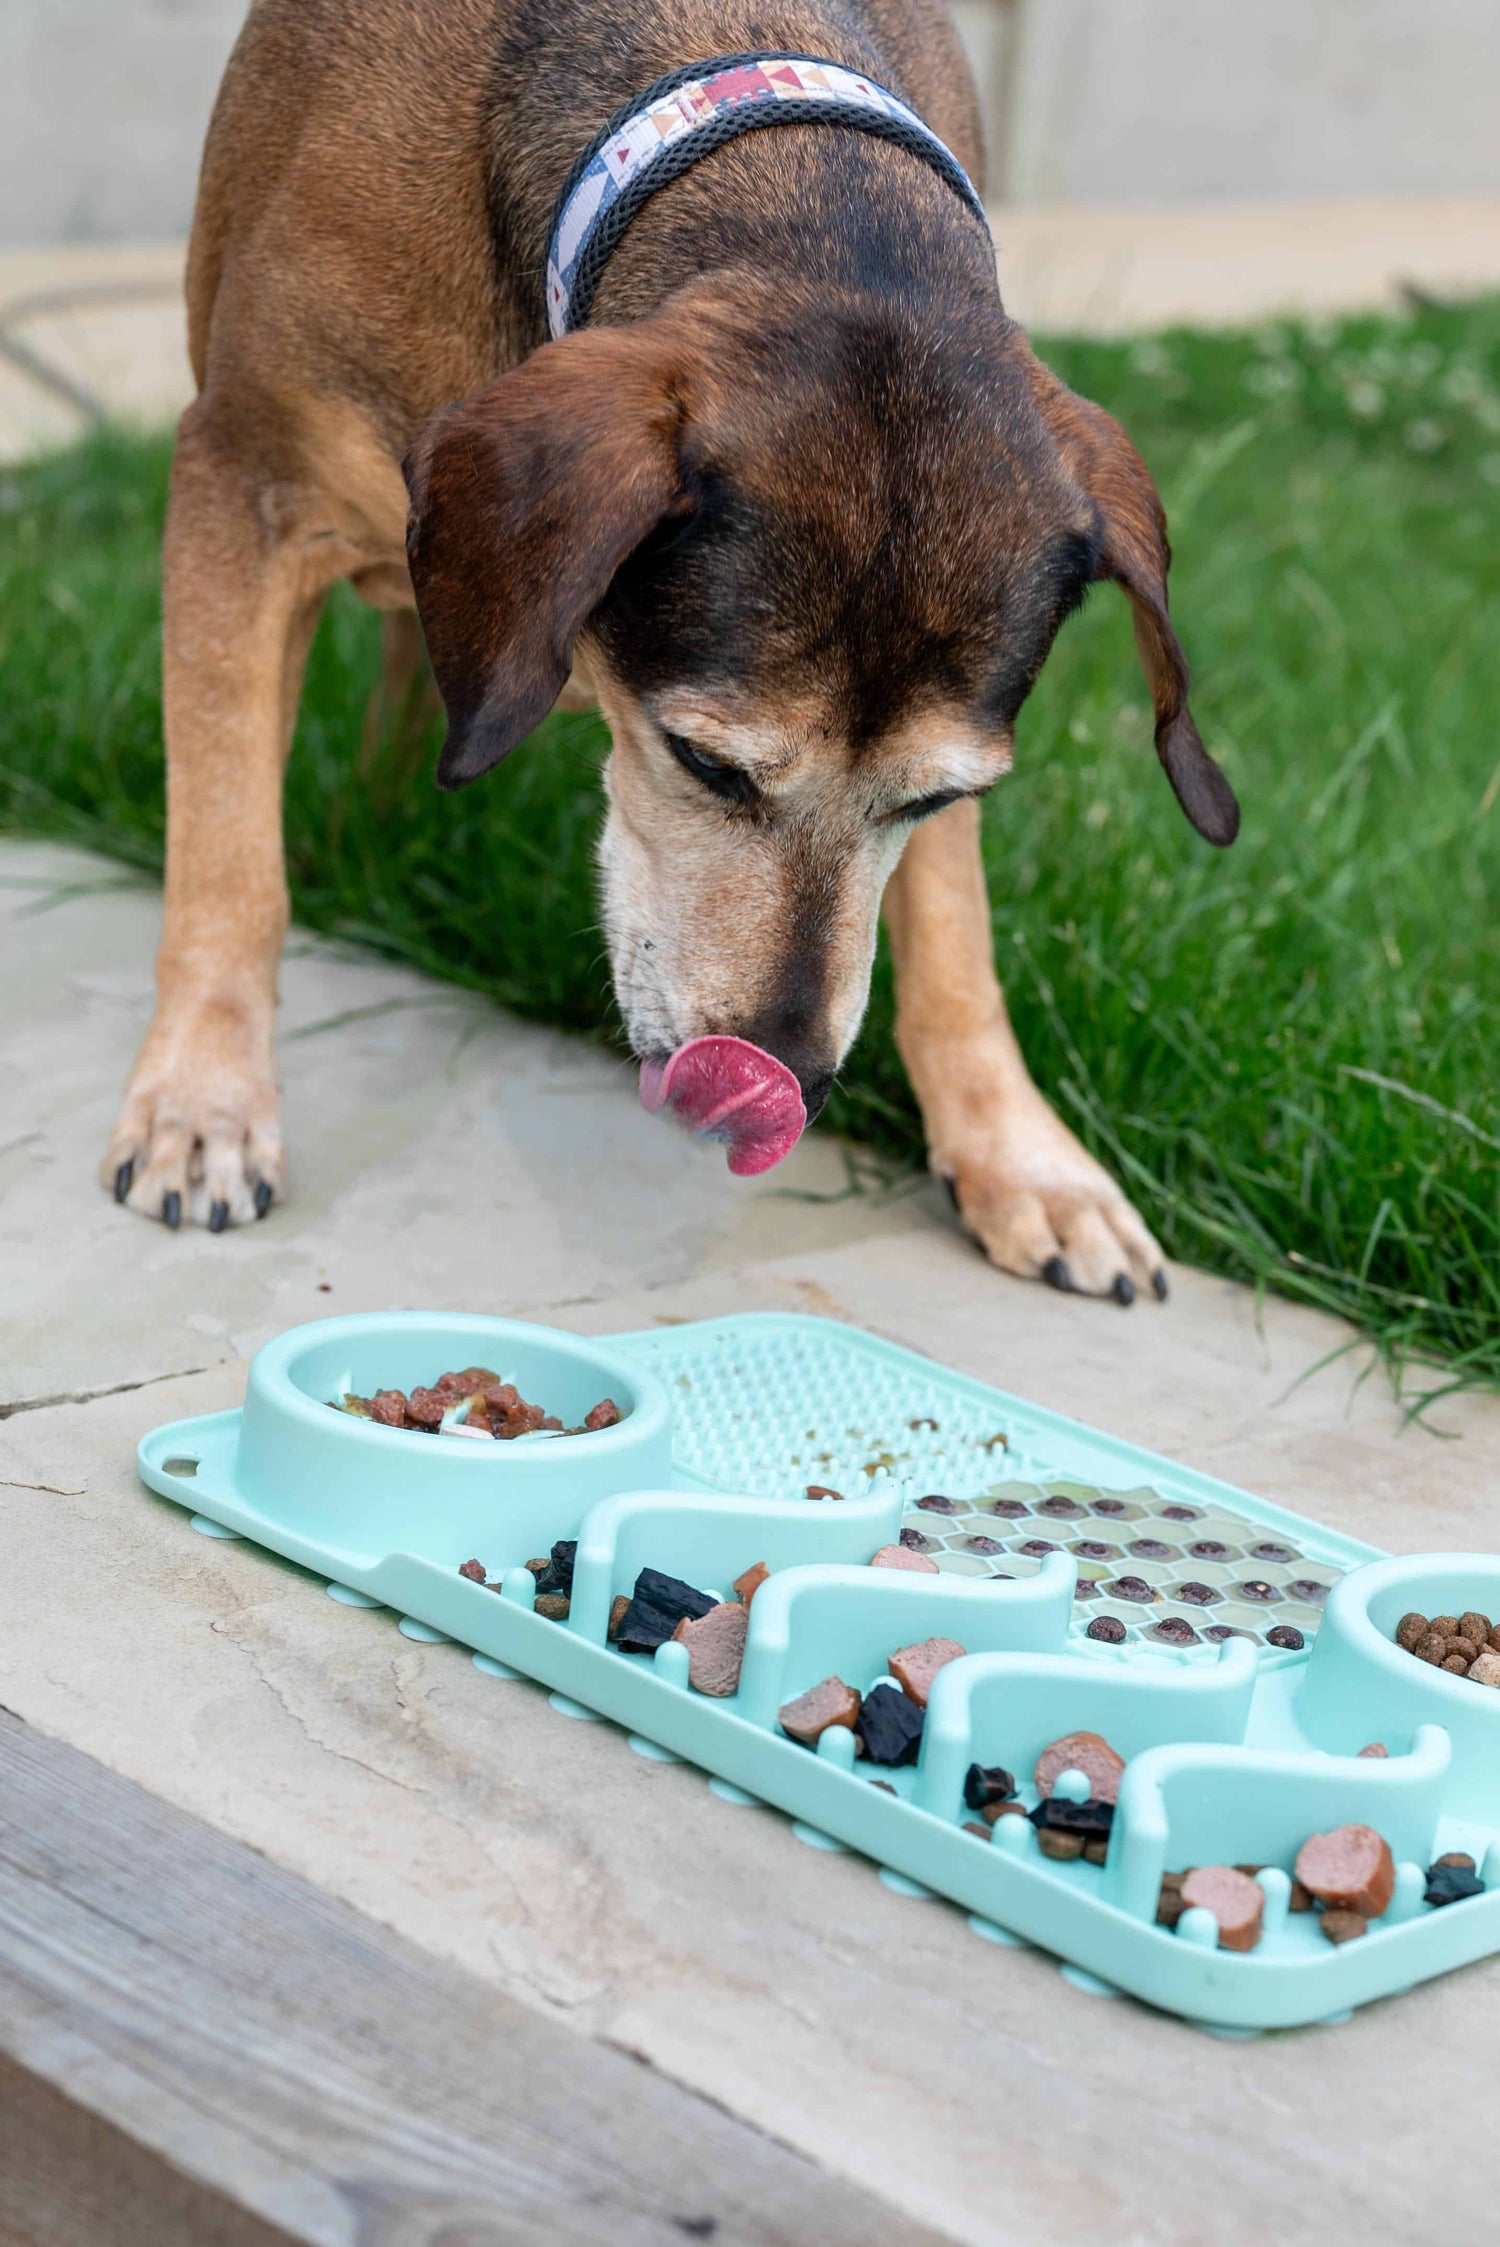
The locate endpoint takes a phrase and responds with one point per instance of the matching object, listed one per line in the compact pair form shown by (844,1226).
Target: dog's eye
(924,806)
(728,781)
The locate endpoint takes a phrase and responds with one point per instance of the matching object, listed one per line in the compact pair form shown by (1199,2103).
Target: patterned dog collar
(656,136)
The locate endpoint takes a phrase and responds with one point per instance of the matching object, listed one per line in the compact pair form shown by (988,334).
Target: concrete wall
(103,103)
(1176,101)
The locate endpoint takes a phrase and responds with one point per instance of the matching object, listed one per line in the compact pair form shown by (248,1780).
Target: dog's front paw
(1040,1206)
(198,1139)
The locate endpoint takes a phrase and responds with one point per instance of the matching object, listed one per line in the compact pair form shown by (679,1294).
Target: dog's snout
(815,1090)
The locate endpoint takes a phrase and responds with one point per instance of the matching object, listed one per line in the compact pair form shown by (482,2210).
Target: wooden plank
(198,2049)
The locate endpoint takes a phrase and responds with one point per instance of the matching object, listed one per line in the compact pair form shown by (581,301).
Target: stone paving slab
(972,2087)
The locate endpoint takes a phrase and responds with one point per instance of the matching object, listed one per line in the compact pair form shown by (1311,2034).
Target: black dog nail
(1159,1286)
(1123,1290)
(218,1216)
(171,1210)
(1055,1272)
(263,1197)
(123,1177)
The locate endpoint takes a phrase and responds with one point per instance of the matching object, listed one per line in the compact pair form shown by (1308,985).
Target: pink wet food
(728,1089)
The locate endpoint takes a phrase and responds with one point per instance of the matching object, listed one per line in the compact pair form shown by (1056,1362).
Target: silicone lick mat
(1237,1747)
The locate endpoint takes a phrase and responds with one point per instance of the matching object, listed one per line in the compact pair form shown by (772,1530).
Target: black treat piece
(1222,1631)
(1060,1508)
(1308,1590)
(1286,1634)
(1037,1547)
(1009,1509)
(983,1545)
(1179,1513)
(988,1783)
(1109,1505)
(1089,1548)
(1151,1548)
(657,1606)
(1209,1548)
(890,1725)
(1087,1587)
(1269,1551)
(1254,1588)
(1177,1631)
(557,1576)
(1132,1587)
(937,1504)
(1196,1595)
(1450,1884)
(1108,1629)
(915,1542)
(1057,1815)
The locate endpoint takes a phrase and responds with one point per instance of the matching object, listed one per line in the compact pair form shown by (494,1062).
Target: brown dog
(798,504)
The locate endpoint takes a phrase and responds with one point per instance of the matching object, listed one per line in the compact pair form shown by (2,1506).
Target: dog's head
(813,553)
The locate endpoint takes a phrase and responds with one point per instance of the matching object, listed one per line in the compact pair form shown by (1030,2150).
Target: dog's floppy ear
(525,499)
(1135,553)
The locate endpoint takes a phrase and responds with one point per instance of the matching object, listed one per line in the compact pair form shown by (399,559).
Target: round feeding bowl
(1359,1685)
(369,1490)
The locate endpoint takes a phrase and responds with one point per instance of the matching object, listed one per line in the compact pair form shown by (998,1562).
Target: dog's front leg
(198,1135)
(1033,1197)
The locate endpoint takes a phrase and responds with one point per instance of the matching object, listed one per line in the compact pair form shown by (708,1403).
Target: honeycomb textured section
(770,1414)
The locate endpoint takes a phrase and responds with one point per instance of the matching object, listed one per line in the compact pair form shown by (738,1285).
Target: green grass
(1289,1051)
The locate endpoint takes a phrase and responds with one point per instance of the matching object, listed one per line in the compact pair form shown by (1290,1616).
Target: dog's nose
(815,1090)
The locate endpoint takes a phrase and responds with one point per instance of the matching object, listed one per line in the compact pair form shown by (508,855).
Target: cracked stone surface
(970,2085)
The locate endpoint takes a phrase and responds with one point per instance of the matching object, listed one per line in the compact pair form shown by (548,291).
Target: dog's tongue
(732,1091)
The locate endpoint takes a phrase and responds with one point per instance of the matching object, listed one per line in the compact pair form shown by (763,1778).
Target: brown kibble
(1475,1626)
(473,1569)
(1495,1640)
(553,1605)
(1458,1857)
(902,1556)
(808,1716)
(1169,1904)
(1343,1926)
(983,1832)
(605,1414)
(821,1490)
(1411,1627)
(1086,1752)
(617,1607)
(1467,1647)
(1446,1626)
(915,1667)
(882,1786)
(1351,1869)
(996,1810)
(1301,1899)
(1236,1901)
(540,1567)
(1249,1871)
(1095,1852)
(716,1647)
(1432,1648)
(1064,1846)
(1457,1664)
(388,1406)
(746,1586)
(1376,1748)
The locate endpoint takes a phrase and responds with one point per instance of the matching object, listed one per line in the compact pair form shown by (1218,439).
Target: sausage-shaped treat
(716,1647)
(915,1667)
(809,1716)
(1350,1869)
(902,1556)
(1085,1752)
(1236,1901)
